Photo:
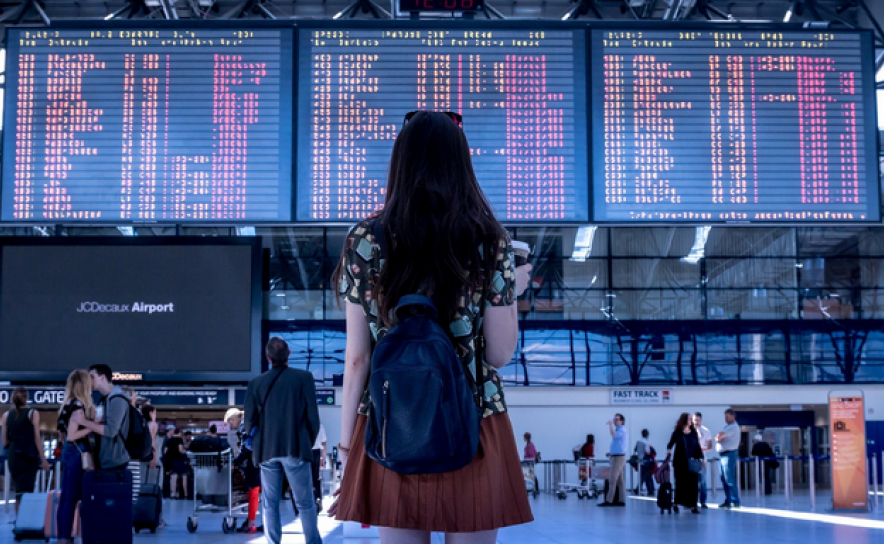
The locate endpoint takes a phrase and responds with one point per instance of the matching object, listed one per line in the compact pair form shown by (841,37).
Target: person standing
(645,455)
(687,447)
(110,419)
(233,418)
(727,444)
(705,437)
(319,452)
(175,456)
(281,404)
(617,454)
(762,449)
(587,450)
(438,236)
(78,397)
(21,439)
(530,450)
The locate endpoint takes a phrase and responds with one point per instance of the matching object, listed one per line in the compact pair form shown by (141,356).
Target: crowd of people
(690,448)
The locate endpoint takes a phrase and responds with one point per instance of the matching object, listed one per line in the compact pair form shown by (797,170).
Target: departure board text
(736,126)
(521,94)
(159,125)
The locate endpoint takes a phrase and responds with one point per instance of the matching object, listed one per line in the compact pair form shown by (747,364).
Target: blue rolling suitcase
(106,510)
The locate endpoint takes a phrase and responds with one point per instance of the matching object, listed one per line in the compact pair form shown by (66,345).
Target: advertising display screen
(740,126)
(155,125)
(162,312)
(521,93)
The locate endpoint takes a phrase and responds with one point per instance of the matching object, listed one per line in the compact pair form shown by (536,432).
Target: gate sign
(37,397)
(641,396)
(847,427)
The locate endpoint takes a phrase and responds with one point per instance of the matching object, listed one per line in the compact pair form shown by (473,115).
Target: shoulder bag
(694,465)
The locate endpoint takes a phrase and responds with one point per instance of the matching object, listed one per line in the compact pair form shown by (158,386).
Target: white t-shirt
(731,442)
(320,438)
(706,441)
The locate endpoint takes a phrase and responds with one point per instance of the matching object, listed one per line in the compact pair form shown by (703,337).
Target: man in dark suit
(281,403)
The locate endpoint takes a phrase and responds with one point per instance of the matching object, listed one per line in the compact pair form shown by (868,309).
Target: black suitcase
(664,497)
(147,511)
(106,509)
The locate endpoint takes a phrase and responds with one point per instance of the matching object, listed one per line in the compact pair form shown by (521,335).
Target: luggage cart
(530,478)
(586,487)
(237,499)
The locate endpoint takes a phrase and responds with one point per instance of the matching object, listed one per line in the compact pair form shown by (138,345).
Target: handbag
(694,465)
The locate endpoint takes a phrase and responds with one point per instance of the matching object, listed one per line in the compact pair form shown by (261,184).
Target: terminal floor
(571,521)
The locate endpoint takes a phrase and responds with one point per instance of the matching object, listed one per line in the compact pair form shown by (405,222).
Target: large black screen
(521,93)
(168,125)
(173,311)
(744,125)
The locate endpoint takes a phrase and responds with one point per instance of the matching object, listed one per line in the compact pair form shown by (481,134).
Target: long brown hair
(435,219)
(684,420)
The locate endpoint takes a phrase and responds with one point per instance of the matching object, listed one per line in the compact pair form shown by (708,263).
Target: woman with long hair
(436,236)
(686,442)
(21,435)
(77,397)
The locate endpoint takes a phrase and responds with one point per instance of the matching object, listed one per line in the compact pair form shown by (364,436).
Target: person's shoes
(618,504)
(695,510)
(318,506)
(605,504)
(246,530)
(703,506)
(735,506)
(725,505)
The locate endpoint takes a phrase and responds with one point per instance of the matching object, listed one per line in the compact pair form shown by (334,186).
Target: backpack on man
(137,439)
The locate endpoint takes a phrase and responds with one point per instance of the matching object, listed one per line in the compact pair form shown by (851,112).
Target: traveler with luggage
(616,493)
(281,408)
(705,436)
(252,476)
(434,266)
(688,463)
(727,444)
(763,450)
(106,510)
(233,418)
(21,439)
(78,398)
(587,450)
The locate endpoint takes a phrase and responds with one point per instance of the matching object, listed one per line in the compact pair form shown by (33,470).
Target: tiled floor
(578,521)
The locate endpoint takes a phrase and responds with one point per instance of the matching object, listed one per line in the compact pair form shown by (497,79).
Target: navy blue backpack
(424,417)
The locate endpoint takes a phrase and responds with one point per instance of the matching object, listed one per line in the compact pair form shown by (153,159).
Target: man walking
(705,436)
(281,404)
(727,444)
(617,453)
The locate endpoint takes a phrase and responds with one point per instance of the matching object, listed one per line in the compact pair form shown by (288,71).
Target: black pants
(317,483)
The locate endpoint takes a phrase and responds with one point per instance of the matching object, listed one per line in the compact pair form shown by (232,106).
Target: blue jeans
(71,489)
(729,462)
(646,477)
(297,471)
(703,490)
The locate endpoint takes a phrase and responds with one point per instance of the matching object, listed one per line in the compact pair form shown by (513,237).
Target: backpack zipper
(386,413)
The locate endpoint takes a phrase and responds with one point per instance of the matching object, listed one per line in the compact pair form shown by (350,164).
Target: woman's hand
(45,465)
(333,509)
(522,278)
(153,462)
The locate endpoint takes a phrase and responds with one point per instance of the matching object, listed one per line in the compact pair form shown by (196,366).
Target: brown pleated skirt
(487,494)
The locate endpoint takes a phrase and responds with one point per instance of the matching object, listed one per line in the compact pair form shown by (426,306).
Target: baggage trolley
(585,488)
(237,498)
(530,478)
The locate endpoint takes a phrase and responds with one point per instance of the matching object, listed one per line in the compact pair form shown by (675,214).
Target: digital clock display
(440,5)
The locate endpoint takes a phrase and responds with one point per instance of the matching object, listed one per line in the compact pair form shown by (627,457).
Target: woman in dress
(78,397)
(686,442)
(433,228)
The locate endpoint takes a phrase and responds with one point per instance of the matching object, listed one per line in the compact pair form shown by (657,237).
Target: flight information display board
(522,94)
(743,126)
(157,125)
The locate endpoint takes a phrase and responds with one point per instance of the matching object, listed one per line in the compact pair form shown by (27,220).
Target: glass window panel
(757,303)
(829,242)
(750,242)
(652,304)
(652,241)
(645,273)
(755,273)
